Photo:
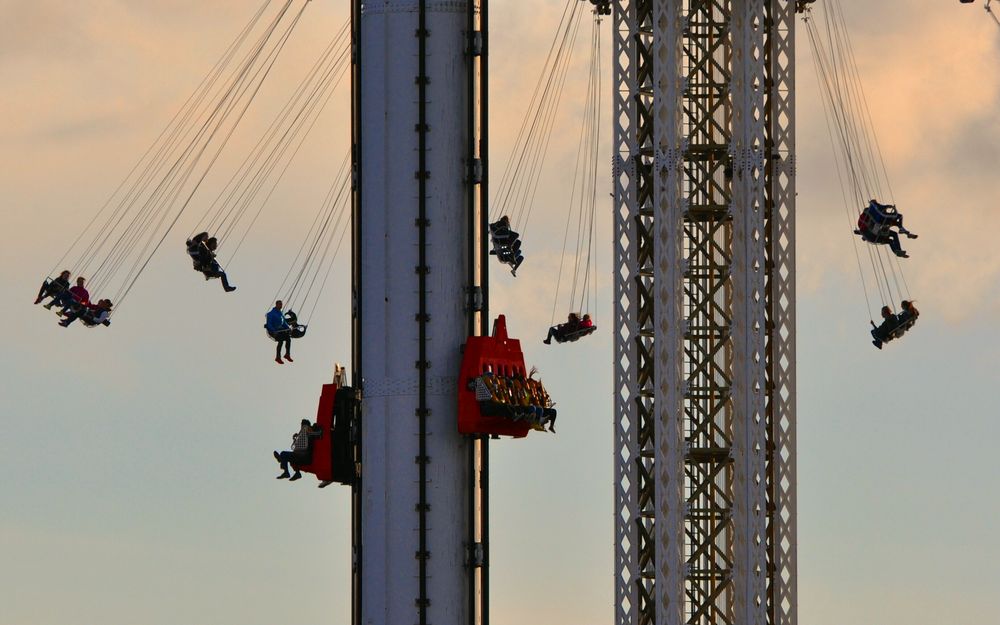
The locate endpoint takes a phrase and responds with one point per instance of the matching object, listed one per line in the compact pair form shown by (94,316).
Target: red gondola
(501,356)
(332,457)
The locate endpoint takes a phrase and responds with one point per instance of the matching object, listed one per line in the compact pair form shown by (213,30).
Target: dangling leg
(902,229)
(893,240)
(225,282)
(43,293)
(277,353)
(517,263)
(552,332)
(288,347)
(283,459)
(61,299)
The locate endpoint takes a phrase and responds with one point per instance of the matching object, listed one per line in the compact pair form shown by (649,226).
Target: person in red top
(74,295)
(587,322)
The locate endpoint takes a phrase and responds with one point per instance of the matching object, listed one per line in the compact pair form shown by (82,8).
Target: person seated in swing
(906,318)
(201,248)
(91,314)
(301,452)
(882,333)
(53,288)
(501,234)
(875,226)
(888,215)
(279,330)
(506,244)
(559,332)
(197,249)
(72,297)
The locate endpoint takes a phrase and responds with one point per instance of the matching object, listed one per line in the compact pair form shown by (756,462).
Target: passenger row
(515,397)
(74,302)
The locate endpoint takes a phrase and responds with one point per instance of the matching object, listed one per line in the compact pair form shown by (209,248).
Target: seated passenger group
(574,329)
(515,397)
(201,248)
(74,302)
(894,326)
(875,226)
(506,244)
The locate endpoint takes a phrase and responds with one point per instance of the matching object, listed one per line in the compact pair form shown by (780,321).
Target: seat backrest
(321,464)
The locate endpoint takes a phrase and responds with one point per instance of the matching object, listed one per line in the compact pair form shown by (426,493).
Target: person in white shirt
(301,452)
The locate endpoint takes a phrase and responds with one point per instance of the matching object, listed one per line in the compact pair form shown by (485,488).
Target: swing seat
(295,329)
(57,290)
(575,335)
(295,332)
(501,356)
(89,322)
(903,327)
(506,250)
(280,335)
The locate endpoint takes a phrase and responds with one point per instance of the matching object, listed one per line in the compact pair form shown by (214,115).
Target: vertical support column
(708,312)
(484,264)
(750,137)
(704,307)
(478,318)
(645,337)
(626,361)
(357,338)
(669,208)
(484,278)
(782,533)
(414,250)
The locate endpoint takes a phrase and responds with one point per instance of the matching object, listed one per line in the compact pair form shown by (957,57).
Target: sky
(138,484)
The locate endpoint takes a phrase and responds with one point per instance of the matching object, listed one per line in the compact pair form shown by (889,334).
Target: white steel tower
(704,185)
(419,519)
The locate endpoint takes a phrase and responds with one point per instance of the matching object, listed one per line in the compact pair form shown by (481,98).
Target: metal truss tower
(704,185)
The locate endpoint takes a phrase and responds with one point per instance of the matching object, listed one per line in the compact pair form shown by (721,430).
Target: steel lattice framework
(704,184)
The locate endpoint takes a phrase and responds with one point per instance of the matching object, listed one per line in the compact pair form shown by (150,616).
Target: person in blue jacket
(875,226)
(280,331)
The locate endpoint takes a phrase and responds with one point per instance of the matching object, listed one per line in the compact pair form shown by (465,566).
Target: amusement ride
(702,138)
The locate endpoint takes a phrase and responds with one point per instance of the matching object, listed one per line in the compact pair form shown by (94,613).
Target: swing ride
(862,172)
(703,270)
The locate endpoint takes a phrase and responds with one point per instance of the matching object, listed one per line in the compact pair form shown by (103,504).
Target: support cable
(216,213)
(142,222)
(860,162)
(583,191)
(153,153)
(258,83)
(519,183)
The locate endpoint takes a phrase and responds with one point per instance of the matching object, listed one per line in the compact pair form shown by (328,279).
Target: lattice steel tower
(704,187)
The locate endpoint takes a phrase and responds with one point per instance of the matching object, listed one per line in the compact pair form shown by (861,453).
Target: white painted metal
(669,207)
(389,291)
(626,426)
(782,306)
(749,314)
(762,311)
